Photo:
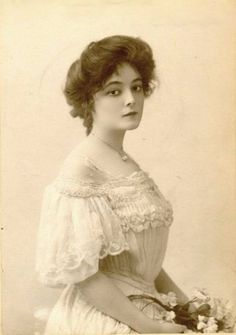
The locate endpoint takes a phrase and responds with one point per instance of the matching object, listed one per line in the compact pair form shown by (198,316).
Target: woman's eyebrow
(119,82)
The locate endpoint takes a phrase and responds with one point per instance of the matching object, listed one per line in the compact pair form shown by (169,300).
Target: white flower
(170,316)
(211,329)
(42,314)
(202,318)
(223,311)
(164,298)
(211,321)
(201,325)
(218,309)
(220,313)
(172,299)
(207,325)
(201,322)
(201,295)
(169,299)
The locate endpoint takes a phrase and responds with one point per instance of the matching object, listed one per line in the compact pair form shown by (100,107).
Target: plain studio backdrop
(186,140)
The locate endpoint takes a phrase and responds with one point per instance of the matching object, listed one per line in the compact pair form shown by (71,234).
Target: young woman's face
(121,94)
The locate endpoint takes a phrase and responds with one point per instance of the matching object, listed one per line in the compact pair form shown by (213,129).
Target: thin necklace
(121,152)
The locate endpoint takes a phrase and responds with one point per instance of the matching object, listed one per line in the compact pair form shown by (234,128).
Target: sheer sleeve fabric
(76,229)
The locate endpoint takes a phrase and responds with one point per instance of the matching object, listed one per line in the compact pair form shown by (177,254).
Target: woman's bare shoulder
(78,166)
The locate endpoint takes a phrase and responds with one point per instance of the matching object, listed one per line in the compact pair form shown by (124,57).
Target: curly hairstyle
(97,63)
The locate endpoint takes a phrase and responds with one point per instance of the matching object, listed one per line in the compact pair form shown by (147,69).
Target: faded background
(186,140)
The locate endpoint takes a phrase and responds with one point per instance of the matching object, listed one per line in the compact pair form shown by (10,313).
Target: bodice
(119,226)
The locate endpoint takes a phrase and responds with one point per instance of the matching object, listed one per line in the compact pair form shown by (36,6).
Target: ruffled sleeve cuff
(75,232)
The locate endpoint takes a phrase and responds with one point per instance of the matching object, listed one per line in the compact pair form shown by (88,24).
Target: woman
(104,222)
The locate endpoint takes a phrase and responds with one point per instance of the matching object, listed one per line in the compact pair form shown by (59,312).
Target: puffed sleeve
(77,228)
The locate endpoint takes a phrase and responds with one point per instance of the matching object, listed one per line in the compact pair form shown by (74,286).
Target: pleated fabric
(120,227)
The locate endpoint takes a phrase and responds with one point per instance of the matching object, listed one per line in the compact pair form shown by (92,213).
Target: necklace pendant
(124,158)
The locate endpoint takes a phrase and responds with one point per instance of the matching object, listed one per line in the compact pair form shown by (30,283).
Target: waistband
(133,282)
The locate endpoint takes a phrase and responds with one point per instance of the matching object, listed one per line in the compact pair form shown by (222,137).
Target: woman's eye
(113,92)
(138,88)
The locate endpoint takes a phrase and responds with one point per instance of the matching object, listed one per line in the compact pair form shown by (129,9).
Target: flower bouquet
(201,314)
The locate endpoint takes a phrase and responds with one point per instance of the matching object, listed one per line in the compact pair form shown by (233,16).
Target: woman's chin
(131,125)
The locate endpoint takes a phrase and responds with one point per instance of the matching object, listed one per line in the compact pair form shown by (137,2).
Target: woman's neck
(114,137)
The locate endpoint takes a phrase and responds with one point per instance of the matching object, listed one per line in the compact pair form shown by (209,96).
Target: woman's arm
(109,299)
(165,284)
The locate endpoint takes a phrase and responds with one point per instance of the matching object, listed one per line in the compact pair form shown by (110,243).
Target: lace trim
(70,261)
(122,195)
(138,191)
(74,259)
(122,188)
(75,187)
(139,222)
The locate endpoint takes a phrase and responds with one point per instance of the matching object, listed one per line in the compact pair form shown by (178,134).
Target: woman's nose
(129,98)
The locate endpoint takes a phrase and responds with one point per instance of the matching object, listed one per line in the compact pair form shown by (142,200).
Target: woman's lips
(130,114)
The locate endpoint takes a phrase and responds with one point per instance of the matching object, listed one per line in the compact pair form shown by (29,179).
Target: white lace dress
(119,226)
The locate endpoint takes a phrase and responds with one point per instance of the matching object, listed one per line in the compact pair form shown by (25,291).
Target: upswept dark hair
(97,63)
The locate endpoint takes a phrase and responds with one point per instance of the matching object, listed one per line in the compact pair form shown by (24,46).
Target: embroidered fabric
(136,199)
(84,221)
(91,220)
(74,233)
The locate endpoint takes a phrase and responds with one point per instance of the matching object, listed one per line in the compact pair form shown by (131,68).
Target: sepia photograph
(118,167)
